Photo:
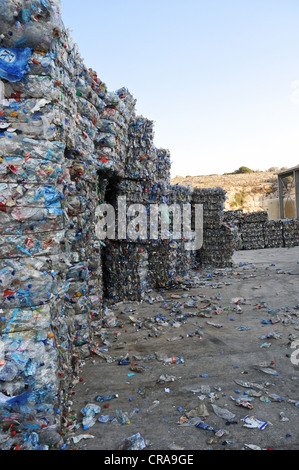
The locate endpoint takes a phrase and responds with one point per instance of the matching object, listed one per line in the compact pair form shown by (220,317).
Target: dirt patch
(219,346)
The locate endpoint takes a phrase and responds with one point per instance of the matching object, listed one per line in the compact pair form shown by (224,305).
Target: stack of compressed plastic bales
(253,230)
(141,153)
(125,260)
(36,344)
(169,258)
(256,231)
(111,143)
(213,200)
(127,155)
(146,181)
(219,238)
(49,107)
(84,299)
(51,272)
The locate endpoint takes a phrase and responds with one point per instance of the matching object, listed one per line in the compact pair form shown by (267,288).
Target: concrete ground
(227,347)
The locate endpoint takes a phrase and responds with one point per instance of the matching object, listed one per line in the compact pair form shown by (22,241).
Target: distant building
(288,187)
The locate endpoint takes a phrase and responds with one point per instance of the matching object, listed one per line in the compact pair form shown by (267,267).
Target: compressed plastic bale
(146,191)
(112,115)
(234,217)
(52,123)
(212,200)
(141,153)
(252,230)
(30,219)
(218,247)
(126,271)
(14,63)
(142,191)
(25,319)
(16,246)
(23,206)
(31,281)
(273,232)
(85,90)
(112,139)
(52,126)
(30,364)
(52,151)
(290,232)
(253,236)
(88,110)
(19,25)
(113,100)
(128,99)
(16,110)
(41,86)
(25,169)
(168,262)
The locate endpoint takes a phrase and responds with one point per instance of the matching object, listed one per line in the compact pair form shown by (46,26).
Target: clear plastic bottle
(101,399)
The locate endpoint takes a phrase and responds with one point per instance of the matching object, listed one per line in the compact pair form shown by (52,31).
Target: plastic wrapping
(14,63)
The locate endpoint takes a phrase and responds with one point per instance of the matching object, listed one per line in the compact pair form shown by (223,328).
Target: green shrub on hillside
(243,169)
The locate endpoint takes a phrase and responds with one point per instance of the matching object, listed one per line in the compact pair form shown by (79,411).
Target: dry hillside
(249,191)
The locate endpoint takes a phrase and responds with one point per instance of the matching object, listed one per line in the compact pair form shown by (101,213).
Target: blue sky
(219,78)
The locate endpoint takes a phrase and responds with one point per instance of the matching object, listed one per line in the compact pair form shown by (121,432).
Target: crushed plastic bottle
(102,399)
(135,442)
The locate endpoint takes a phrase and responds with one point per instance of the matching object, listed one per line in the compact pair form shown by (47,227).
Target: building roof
(288,171)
